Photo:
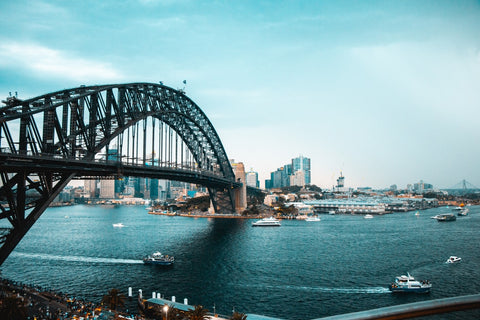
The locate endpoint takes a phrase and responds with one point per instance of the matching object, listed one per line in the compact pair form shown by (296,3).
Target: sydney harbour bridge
(137,129)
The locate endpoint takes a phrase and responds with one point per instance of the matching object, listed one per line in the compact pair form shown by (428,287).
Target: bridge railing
(413,310)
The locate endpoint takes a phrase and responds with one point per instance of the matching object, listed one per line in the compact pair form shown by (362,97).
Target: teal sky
(386,91)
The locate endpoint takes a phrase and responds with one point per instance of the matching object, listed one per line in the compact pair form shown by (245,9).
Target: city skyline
(385,92)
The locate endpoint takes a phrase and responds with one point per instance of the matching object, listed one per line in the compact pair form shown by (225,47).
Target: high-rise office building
(302,164)
(90,186)
(252,179)
(297,172)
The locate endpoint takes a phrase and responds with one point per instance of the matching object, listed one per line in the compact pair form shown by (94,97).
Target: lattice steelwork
(137,129)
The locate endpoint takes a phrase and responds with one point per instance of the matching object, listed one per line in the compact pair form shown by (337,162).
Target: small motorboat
(118,225)
(368,216)
(267,222)
(463,212)
(158,258)
(409,284)
(453,259)
(312,219)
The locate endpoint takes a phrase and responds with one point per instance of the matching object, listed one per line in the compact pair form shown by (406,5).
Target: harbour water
(302,270)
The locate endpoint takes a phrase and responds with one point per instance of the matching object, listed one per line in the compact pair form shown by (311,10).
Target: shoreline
(208,215)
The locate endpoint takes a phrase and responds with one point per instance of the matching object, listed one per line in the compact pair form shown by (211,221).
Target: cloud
(46,62)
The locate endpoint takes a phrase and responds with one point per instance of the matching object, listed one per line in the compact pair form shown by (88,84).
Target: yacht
(312,218)
(159,259)
(267,222)
(453,259)
(409,284)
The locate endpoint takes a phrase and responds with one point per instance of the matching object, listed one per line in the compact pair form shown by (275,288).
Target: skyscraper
(302,164)
(252,179)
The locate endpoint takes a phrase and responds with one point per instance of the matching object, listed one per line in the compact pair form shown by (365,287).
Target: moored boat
(267,222)
(159,259)
(313,219)
(409,284)
(368,216)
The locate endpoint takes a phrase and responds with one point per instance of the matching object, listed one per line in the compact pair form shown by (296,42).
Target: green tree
(199,313)
(114,299)
(238,316)
(12,308)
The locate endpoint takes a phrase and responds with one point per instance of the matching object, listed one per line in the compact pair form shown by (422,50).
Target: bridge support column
(240,194)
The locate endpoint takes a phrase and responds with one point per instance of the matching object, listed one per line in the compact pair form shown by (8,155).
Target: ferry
(267,222)
(158,258)
(409,284)
(445,217)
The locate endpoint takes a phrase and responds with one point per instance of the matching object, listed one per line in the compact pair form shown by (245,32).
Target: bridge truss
(138,129)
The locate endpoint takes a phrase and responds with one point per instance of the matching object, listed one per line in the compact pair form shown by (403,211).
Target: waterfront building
(107,189)
(90,187)
(251,178)
(352,205)
(270,199)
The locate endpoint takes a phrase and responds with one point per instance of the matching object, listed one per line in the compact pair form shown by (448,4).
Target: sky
(387,92)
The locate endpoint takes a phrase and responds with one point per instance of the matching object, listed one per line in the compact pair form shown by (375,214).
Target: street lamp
(165,308)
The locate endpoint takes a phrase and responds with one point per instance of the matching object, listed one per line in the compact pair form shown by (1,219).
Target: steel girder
(47,140)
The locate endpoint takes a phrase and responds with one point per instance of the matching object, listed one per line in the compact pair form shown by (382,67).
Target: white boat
(463,212)
(118,225)
(453,259)
(158,258)
(332,212)
(409,284)
(267,222)
(368,216)
(417,213)
(313,219)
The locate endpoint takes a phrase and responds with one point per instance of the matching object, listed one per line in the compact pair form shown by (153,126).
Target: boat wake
(75,258)
(373,290)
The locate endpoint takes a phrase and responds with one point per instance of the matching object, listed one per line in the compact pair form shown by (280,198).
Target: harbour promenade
(41,303)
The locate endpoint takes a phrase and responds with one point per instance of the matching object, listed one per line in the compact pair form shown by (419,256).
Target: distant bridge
(137,129)
(464,185)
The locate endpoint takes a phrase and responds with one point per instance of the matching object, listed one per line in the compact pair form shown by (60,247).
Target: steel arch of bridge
(48,140)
